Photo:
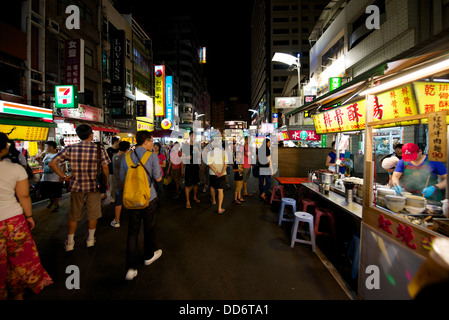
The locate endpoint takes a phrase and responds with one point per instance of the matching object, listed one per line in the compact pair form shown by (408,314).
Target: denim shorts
(118,197)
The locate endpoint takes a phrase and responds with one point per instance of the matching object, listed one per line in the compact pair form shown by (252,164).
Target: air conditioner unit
(53,26)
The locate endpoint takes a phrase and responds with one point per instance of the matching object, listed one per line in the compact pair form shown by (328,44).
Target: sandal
(242,200)
(221,211)
(188,206)
(197,200)
(236,202)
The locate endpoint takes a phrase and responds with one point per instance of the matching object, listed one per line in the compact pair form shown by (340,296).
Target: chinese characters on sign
(159,88)
(304,135)
(389,105)
(437,137)
(404,234)
(25,133)
(74,63)
(432,97)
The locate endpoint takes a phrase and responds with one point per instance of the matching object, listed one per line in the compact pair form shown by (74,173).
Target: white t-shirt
(10,173)
(218,158)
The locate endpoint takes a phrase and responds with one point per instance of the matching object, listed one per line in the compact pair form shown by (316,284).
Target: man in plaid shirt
(83,162)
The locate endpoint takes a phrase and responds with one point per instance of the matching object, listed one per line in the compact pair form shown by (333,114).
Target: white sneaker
(90,242)
(69,246)
(115,224)
(156,256)
(131,274)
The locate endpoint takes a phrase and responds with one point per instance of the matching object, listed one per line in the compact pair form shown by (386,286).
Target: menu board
(432,97)
(24,133)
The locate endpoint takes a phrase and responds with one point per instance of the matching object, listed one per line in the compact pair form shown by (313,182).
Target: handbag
(101,180)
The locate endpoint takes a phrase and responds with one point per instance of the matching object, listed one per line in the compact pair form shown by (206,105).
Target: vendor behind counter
(418,175)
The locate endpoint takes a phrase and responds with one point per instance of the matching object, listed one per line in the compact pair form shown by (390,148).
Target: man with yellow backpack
(138,171)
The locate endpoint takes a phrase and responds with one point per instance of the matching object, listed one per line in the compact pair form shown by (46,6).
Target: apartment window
(281,43)
(280,20)
(88,57)
(280,8)
(128,48)
(280,31)
(128,79)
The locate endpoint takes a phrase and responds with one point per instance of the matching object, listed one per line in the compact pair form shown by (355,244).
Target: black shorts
(217,183)
(191,175)
(51,189)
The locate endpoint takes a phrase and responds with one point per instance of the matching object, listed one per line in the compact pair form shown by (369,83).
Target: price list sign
(437,137)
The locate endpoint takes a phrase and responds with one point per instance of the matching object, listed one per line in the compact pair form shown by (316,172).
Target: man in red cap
(420,176)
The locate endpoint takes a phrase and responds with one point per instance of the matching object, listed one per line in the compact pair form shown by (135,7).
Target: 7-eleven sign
(66,96)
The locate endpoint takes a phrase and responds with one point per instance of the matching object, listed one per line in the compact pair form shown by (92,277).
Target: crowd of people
(168,168)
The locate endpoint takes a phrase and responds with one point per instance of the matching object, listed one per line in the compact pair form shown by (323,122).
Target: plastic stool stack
(273,195)
(303,217)
(354,255)
(320,213)
(286,202)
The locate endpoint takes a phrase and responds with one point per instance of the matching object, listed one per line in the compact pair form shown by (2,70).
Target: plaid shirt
(82,157)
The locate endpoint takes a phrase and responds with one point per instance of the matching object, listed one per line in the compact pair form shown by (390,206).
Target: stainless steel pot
(327,178)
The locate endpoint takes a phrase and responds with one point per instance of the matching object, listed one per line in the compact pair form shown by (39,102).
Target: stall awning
(95,125)
(28,123)
(167,134)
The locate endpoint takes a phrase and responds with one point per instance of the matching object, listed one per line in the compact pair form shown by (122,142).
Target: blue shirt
(436,168)
(333,156)
(152,166)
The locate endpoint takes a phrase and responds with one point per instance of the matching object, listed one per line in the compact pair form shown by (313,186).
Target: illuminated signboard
(166,124)
(334,83)
(66,96)
(74,63)
(432,97)
(24,133)
(144,126)
(304,135)
(169,97)
(8,107)
(286,102)
(202,55)
(395,103)
(159,79)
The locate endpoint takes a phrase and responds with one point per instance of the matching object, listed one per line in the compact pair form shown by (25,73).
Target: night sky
(224,28)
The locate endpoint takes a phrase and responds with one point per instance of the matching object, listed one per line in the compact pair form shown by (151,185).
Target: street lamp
(292,61)
(254,111)
(198,115)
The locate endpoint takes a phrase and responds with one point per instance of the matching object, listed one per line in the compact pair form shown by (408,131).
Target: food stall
(396,241)
(28,126)
(398,236)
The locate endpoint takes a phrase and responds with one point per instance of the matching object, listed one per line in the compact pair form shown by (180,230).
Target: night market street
(240,255)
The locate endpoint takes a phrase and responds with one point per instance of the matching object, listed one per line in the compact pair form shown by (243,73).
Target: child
(238,178)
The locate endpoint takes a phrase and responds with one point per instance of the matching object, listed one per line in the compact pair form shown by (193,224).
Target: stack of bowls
(415,204)
(381,194)
(395,203)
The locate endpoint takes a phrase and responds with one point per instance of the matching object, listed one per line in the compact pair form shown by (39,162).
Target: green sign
(303,135)
(334,83)
(66,96)
(323,141)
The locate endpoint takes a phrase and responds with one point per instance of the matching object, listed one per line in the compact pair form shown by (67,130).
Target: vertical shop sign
(169,97)
(159,79)
(437,137)
(334,83)
(116,99)
(74,63)
(141,108)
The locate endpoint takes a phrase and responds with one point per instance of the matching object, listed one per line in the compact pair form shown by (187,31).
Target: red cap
(409,152)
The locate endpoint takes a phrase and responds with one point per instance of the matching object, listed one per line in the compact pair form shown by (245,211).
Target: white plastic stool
(286,202)
(303,217)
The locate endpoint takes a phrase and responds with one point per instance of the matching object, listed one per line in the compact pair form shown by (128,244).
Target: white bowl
(415,210)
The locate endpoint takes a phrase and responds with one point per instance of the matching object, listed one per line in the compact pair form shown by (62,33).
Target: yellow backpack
(136,191)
